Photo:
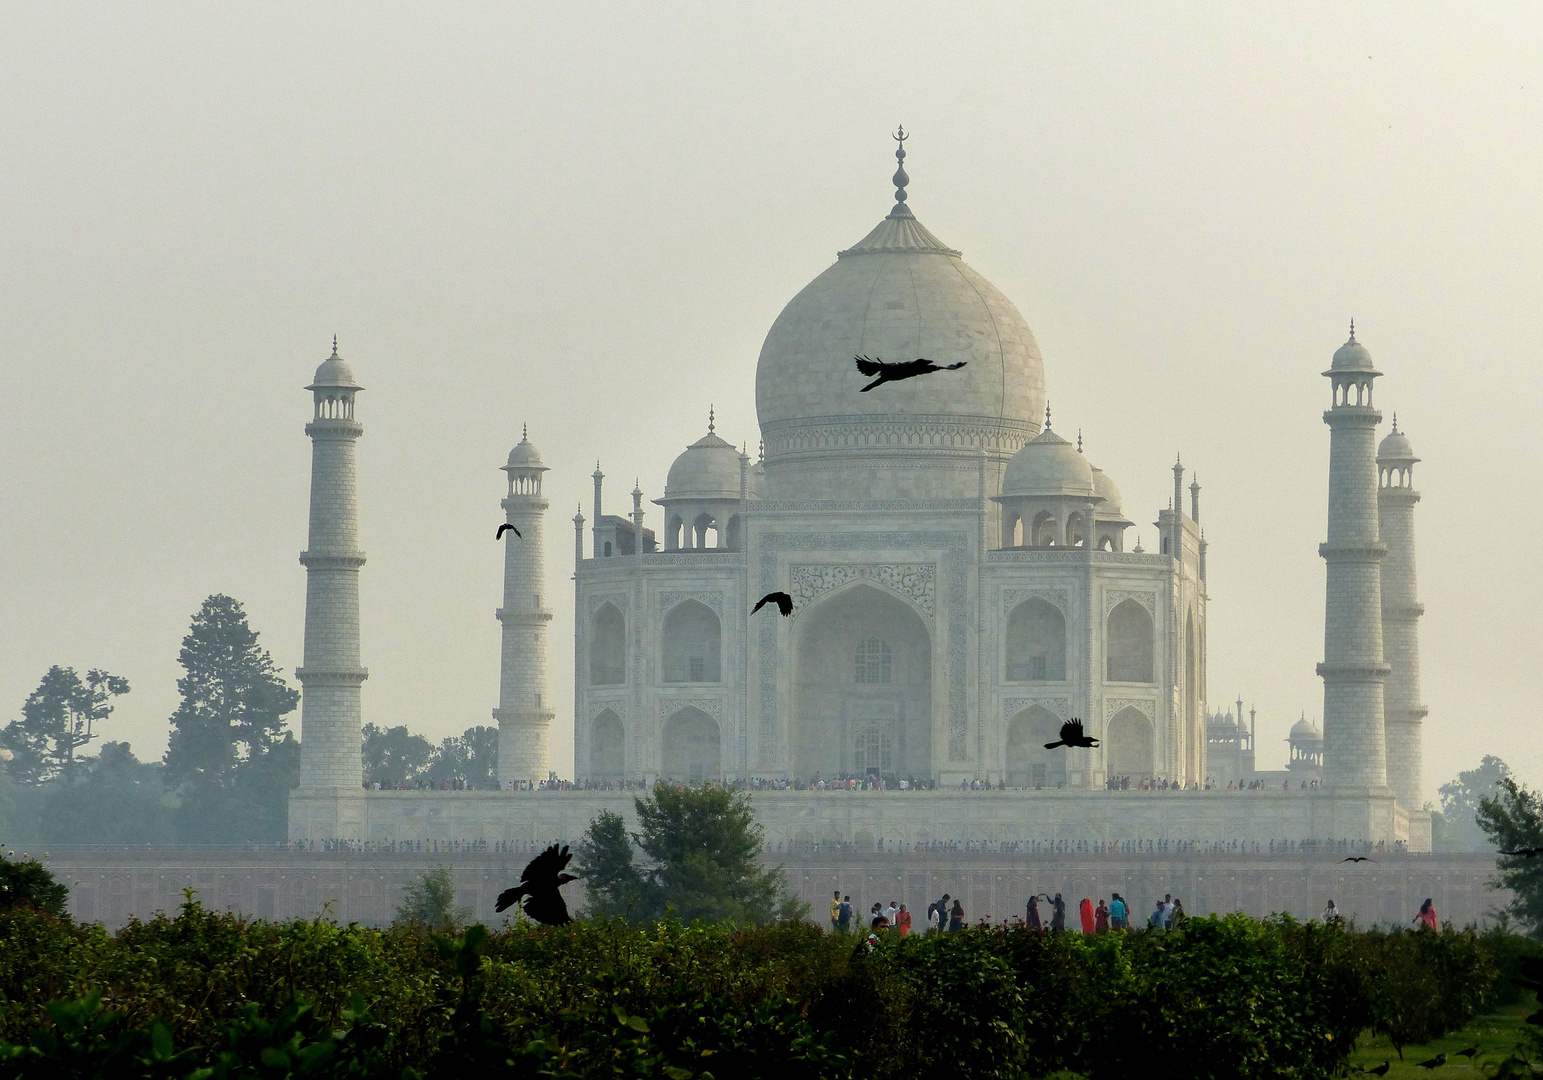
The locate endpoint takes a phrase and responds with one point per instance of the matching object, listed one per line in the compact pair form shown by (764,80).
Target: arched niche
(607,748)
(863,686)
(1036,642)
(607,646)
(1128,643)
(691,650)
(1129,745)
(1029,764)
(691,747)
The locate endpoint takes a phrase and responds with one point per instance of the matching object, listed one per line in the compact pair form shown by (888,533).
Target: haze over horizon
(588,222)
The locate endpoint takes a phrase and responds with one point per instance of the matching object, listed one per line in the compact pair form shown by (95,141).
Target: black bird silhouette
(908,369)
(539,885)
(1071,735)
(1525,853)
(1380,1070)
(1468,1053)
(1358,858)
(506,528)
(1433,1063)
(783,601)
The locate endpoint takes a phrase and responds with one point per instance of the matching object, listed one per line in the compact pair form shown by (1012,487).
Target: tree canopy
(229,756)
(1512,818)
(58,718)
(705,847)
(1460,801)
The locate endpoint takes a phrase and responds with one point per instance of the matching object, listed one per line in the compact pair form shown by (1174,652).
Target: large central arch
(863,687)
(1029,764)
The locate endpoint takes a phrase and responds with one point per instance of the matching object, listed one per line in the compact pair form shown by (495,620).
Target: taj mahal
(964,580)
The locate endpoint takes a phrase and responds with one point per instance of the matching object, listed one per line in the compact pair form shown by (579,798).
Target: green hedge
(211,995)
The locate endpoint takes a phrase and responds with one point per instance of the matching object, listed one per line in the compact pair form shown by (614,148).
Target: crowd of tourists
(947,915)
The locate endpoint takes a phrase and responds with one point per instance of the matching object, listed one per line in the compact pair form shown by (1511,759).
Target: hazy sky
(587,217)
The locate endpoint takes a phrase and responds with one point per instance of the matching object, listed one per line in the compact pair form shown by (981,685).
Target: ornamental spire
(712,420)
(900,178)
(1352,329)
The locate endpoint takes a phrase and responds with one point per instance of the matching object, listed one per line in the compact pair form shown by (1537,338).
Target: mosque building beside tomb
(963,581)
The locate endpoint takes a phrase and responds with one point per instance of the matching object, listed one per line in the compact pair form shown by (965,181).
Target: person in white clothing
(1330,913)
(892,911)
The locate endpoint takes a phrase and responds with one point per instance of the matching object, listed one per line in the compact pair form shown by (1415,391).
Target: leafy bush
(27,883)
(1218,997)
(430,902)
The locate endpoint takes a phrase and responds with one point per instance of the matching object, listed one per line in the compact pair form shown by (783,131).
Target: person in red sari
(1101,917)
(903,921)
(1427,915)
(1085,910)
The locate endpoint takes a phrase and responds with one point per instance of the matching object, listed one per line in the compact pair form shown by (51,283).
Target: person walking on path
(1085,913)
(1033,917)
(1427,915)
(844,916)
(1057,915)
(956,917)
(943,912)
(1101,917)
(903,921)
(835,911)
(1119,913)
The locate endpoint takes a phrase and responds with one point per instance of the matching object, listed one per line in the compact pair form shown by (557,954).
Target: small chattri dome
(1048,465)
(1304,730)
(1352,356)
(525,455)
(1106,490)
(1396,447)
(334,372)
(708,469)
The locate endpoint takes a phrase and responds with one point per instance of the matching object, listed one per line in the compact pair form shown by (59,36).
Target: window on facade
(873,661)
(873,747)
(691,647)
(696,669)
(1037,667)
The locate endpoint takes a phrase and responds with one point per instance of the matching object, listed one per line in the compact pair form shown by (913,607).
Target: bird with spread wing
(539,886)
(1071,735)
(908,369)
(506,527)
(783,601)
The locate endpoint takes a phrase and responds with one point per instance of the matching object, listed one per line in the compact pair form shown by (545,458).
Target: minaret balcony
(332,560)
(528,616)
(334,428)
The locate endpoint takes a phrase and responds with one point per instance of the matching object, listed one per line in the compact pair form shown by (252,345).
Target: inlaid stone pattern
(1011,598)
(916,581)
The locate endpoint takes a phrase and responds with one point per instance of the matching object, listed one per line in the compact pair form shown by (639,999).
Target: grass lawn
(1495,1034)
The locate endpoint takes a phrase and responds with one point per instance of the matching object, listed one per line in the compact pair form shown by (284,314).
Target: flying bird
(783,601)
(539,885)
(1358,858)
(1071,735)
(908,369)
(1525,853)
(1380,1070)
(506,528)
(1433,1063)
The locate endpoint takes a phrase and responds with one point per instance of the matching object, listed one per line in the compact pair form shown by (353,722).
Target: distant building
(962,584)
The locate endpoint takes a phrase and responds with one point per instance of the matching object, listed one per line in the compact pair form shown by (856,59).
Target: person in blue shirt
(1119,914)
(1158,919)
(844,918)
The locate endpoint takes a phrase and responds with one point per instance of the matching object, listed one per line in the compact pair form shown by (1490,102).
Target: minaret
(524,712)
(330,712)
(1354,748)
(1401,611)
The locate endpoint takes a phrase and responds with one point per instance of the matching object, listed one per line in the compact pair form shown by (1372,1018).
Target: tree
(1460,800)
(430,902)
(470,760)
(229,756)
(614,886)
(705,846)
(58,718)
(119,800)
(394,755)
(27,883)
(1512,819)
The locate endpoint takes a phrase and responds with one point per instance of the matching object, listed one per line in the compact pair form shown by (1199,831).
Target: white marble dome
(1107,490)
(1048,465)
(1396,447)
(525,455)
(334,372)
(708,469)
(1352,356)
(899,294)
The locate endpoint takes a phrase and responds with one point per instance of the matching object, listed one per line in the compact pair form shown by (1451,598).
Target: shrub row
(209,995)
